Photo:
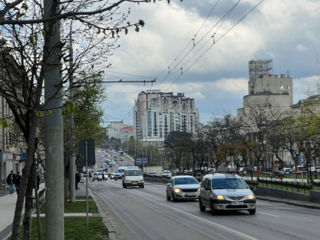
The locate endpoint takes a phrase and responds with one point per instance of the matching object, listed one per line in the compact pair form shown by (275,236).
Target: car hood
(187,186)
(232,192)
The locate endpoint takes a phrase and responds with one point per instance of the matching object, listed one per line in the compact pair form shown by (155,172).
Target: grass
(77,207)
(75,229)
(83,197)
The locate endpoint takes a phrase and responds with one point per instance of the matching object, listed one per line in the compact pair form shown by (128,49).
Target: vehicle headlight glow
(251,197)
(177,190)
(220,197)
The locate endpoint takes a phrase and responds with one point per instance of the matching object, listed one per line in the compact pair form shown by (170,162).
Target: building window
(155,127)
(149,124)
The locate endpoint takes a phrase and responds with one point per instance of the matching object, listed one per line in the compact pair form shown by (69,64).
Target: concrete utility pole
(72,160)
(53,128)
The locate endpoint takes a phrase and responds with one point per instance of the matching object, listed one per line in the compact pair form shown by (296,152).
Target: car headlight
(220,197)
(177,190)
(251,197)
(199,190)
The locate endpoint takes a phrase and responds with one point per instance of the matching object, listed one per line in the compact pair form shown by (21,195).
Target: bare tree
(36,41)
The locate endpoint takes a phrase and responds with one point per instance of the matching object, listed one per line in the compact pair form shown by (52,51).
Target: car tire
(252,211)
(142,186)
(125,186)
(212,210)
(173,198)
(202,208)
(168,198)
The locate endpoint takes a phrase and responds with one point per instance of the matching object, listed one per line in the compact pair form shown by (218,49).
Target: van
(133,177)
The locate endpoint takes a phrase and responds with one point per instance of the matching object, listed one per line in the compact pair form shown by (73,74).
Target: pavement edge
(111,232)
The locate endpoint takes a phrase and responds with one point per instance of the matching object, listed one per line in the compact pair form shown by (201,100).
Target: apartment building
(157,113)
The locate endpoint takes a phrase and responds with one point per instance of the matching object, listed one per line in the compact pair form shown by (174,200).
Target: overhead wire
(222,36)
(192,41)
(218,25)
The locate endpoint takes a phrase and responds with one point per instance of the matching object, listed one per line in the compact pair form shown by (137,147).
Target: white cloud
(301,48)
(233,85)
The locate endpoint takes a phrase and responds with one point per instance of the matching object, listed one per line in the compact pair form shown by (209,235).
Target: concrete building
(267,92)
(119,130)
(157,113)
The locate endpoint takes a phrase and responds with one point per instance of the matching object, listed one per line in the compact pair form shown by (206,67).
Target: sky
(202,48)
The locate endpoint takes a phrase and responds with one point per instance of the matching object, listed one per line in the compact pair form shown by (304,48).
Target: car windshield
(99,173)
(134,173)
(229,183)
(120,170)
(185,180)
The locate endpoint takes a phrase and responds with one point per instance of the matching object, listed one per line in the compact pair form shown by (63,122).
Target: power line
(192,41)
(223,35)
(219,23)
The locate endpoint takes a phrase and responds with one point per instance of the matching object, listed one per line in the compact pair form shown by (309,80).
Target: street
(146,214)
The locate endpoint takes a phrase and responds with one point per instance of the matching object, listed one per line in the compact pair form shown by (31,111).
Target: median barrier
(155,178)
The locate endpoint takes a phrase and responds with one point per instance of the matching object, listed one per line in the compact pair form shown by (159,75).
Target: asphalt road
(146,214)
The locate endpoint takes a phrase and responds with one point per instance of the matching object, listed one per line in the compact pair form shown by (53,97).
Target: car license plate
(236,203)
(189,195)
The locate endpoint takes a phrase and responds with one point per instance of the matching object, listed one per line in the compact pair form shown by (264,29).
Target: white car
(166,173)
(183,187)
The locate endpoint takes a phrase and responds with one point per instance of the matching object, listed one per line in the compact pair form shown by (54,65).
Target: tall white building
(157,113)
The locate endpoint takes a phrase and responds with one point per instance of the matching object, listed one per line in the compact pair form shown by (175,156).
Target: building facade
(157,113)
(266,91)
(119,130)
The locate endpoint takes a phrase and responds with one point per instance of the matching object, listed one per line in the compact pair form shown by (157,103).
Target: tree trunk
(28,205)
(25,177)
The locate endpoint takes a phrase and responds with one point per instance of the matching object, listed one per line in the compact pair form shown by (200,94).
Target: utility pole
(53,126)
(72,160)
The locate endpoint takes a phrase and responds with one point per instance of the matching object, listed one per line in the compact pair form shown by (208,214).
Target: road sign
(91,153)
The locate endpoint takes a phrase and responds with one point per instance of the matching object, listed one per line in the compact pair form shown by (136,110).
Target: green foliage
(3,123)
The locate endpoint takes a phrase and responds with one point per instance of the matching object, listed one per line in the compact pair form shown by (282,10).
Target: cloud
(301,48)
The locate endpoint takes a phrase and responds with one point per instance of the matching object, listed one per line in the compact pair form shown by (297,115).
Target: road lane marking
(217,225)
(268,214)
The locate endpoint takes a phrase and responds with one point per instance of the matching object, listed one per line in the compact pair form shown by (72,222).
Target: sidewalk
(7,207)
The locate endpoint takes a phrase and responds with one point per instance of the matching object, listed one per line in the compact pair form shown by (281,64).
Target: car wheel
(168,198)
(212,210)
(252,211)
(142,186)
(173,198)
(125,186)
(202,208)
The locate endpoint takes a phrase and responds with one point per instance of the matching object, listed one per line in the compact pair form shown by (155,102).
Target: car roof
(221,175)
(183,176)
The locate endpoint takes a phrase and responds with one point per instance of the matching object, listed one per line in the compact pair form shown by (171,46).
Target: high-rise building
(157,113)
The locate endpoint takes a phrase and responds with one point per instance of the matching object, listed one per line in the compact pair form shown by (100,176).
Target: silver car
(222,191)
(182,187)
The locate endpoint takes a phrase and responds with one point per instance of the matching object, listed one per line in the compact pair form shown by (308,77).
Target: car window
(184,180)
(134,173)
(229,183)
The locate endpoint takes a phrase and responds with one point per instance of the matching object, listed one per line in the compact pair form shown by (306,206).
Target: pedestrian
(10,182)
(77,179)
(17,181)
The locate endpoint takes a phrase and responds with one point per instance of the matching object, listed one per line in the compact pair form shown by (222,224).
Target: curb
(288,202)
(111,232)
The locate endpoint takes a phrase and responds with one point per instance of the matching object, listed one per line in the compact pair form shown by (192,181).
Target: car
(133,177)
(226,191)
(287,170)
(182,188)
(97,176)
(166,173)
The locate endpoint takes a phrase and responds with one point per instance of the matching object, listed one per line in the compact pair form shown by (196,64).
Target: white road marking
(268,214)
